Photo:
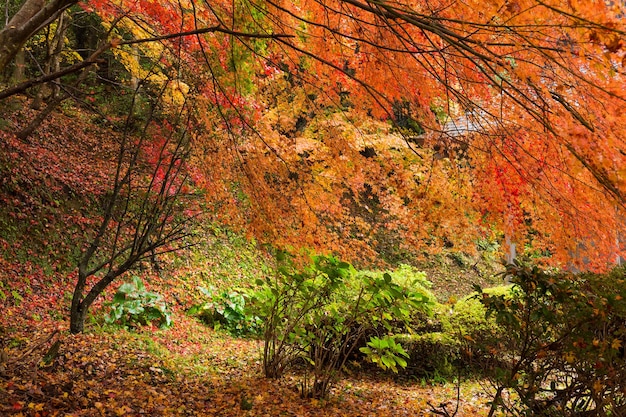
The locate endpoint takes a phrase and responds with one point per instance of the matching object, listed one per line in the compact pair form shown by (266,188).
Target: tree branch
(202,31)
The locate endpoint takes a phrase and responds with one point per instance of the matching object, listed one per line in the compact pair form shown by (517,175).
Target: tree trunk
(58,44)
(77,319)
(19,69)
(78,311)
(82,301)
(32,16)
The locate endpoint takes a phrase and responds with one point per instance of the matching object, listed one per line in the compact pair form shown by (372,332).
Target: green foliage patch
(468,317)
(446,343)
(433,355)
(133,305)
(227,310)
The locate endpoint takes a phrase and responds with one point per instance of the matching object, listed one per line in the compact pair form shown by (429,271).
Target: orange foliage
(287,122)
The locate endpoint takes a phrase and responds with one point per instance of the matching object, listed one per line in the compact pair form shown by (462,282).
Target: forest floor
(48,186)
(188,370)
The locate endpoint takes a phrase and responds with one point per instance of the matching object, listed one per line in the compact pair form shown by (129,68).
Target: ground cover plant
(227,310)
(132,304)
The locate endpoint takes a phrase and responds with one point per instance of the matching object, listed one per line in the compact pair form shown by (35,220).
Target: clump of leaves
(385,353)
(133,305)
(227,310)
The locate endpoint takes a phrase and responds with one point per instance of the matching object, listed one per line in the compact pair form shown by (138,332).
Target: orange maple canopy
(294,100)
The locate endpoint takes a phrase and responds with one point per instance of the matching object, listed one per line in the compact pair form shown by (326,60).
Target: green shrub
(444,343)
(467,318)
(321,314)
(561,344)
(133,305)
(432,355)
(227,310)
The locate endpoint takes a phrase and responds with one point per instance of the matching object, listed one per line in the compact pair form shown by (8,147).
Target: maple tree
(142,217)
(537,86)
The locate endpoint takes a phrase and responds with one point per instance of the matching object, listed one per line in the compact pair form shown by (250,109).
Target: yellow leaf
(616,344)
(597,386)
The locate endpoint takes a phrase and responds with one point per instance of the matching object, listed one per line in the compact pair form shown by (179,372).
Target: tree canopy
(347,125)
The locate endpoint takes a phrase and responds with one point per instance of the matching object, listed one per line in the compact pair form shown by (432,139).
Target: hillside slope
(51,188)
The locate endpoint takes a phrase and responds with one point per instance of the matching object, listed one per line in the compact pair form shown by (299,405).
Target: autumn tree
(536,85)
(143,215)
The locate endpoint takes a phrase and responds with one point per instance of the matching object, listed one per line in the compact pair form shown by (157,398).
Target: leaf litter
(189,370)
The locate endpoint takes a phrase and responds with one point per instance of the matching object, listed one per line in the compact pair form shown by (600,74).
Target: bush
(468,324)
(319,316)
(561,343)
(446,342)
(468,316)
(432,355)
(227,310)
(133,305)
